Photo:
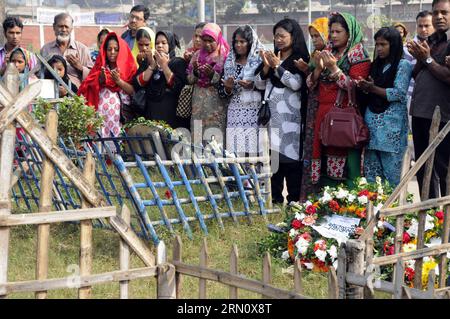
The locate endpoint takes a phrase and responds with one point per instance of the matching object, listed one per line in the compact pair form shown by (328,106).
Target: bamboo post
(45,205)
(369,241)
(267,271)
(342,272)
(203,263)
(11,79)
(166,274)
(264,136)
(333,286)
(425,193)
(86,230)
(124,254)
(177,256)
(298,282)
(234,255)
(430,285)
(355,264)
(398,279)
(443,265)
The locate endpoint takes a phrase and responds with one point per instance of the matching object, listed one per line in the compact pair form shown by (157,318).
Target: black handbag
(264,113)
(138,102)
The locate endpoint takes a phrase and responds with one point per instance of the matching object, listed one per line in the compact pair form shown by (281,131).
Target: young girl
(108,85)
(59,64)
(386,115)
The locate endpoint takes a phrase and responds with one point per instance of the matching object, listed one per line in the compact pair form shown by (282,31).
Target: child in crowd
(59,64)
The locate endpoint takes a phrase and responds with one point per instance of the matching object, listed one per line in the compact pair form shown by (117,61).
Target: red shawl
(90,87)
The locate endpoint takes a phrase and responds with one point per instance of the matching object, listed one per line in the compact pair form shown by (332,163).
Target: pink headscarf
(217,58)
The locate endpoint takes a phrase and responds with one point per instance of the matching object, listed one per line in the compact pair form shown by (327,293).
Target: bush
(76,120)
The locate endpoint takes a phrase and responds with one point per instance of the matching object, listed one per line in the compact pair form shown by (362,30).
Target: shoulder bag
(344,127)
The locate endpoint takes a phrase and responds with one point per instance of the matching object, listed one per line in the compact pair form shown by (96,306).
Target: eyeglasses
(136,18)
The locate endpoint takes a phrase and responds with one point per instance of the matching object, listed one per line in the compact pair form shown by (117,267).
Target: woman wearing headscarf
(196,43)
(401,28)
(59,65)
(386,115)
(108,86)
(145,42)
(163,75)
(340,65)
(208,118)
(283,82)
(318,30)
(237,85)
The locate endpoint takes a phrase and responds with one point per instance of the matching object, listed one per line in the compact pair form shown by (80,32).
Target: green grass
(64,258)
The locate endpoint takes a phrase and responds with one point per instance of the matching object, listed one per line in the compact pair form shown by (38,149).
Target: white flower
(302,245)
(380,224)
(342,193)
(282,224)
(309,266)
(351,198)
(332,252)
(285,255)
(429,223)
(362,181)
(299,216)
(378,180)
(293,233)
(326,197)
(321,254)
(363,200)
(410,263)
(380,190)
(308,203)
(409,247)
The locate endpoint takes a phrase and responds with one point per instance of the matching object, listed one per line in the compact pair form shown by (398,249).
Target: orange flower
(290,248)
(351,209)
(342,210)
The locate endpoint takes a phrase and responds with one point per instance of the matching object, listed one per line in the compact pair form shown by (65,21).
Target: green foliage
(158,125)
(75,119)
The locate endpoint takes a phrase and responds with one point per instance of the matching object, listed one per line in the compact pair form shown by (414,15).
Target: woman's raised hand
(301,65)
(329,61)
(162,59)
(228,84)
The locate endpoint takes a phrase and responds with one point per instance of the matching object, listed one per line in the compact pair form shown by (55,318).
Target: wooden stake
(177,256)
(45,205)
(124,254)
(355,255)
(234,257)
(298,281)
(333,286)
(86,231)
(443,264)
(267,271)
(203,263)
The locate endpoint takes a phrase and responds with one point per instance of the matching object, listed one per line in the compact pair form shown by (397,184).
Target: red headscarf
(90,87)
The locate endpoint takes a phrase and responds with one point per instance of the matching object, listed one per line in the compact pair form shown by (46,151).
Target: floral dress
(109,107)
(389,130)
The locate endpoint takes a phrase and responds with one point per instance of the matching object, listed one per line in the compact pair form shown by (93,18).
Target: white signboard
(45,15)
(337,227)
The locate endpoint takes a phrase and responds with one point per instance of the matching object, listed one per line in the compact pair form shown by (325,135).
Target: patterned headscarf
(23,76)
(253,60)
(215,59)
(150,34)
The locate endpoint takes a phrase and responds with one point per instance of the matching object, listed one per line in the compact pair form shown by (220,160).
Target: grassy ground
(64,257)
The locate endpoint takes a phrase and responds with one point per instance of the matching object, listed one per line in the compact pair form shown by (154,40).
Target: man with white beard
(76,53)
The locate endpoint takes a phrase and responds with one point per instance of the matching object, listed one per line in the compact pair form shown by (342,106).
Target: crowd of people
(226,86)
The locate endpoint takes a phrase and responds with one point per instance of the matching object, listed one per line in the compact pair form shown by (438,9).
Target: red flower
(364,192)
(388,249)
(334,205)
(311,209)
(306,236)
(409,273)
(361,213)
(373,196)
(296,224)
(320,244)
(406,238)
(168,194)
(439,215)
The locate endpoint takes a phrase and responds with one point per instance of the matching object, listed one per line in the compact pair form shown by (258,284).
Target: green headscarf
(355,36)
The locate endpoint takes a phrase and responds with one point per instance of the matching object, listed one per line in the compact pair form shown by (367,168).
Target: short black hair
(60,17)
(199,25)
(141,8)
(11,22)
(101,33)
(337,18)
(423,14)
(437,1)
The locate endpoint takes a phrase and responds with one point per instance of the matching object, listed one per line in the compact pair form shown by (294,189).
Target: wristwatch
(429,60)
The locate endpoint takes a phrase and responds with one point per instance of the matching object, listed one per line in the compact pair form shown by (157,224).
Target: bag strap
(270,92)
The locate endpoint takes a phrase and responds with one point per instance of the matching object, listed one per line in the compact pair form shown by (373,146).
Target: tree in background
(355,4)
(272,6)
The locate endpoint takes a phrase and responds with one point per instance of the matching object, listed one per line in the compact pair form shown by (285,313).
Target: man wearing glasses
(138,18)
